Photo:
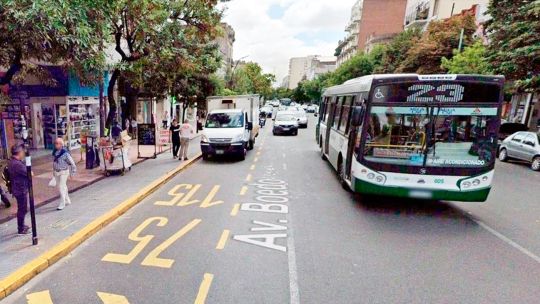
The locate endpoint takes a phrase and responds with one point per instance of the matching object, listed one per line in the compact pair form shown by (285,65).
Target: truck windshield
(433,136)
(225,120)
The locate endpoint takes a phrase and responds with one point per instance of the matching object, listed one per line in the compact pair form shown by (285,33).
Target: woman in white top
(185,136)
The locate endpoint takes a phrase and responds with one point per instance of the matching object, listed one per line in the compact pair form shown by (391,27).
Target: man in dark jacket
(19,185)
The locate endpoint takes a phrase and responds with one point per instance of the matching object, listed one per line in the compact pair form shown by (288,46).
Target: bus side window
(324,112)
(337,112)
(346,114)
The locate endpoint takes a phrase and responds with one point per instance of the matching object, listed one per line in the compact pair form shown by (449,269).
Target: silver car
(523,146)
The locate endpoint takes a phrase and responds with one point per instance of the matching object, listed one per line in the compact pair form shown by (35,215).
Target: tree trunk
(111,116)
(13,69)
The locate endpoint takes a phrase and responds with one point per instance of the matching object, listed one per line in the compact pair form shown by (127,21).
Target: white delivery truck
(231,125)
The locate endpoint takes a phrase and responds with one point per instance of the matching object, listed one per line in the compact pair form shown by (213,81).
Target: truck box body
(220,135)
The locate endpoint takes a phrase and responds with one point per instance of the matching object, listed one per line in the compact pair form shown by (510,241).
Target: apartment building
(225,44)
(349,45)
(420,12)
(307,68)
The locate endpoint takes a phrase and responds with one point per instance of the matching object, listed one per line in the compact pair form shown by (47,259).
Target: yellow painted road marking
(244,190)
(109,298)
(235,209)
(252,167)
(204,288)
(248,178)
(223,239)
(256,159)
(142,241)
(42,297)
(208,200)
(258,153)
(152,258)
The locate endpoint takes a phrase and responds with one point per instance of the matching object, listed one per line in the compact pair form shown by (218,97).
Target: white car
(285,123)
(302,119)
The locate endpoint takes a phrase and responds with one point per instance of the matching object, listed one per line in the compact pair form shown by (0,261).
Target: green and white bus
(419,136)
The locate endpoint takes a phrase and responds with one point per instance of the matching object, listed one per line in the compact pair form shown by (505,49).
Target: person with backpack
(63,167)
(18,182)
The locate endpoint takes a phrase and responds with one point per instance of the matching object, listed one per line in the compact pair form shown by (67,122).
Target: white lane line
(293,274)
(508,241)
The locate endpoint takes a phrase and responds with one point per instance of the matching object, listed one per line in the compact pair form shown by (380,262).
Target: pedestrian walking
(63,167)
(18,179)
(174,130)
(186,130)
(3,197)
(3,194)
(134,128)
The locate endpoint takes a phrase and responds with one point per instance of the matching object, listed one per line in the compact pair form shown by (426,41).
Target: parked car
(523,146)
(507,129)
(285,123)
(302,119)
(310,109)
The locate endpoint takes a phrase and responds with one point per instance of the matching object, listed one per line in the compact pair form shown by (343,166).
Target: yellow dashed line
(256,159)
(243,190)
(258,153)
(204,288)
(248,178)
(235,209)
(252,167)
(223,239)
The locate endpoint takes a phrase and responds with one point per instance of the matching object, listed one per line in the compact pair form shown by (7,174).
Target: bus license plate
(220,152)
(420,194)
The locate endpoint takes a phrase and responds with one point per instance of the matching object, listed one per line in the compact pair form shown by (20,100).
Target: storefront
(526,110)
(68,110)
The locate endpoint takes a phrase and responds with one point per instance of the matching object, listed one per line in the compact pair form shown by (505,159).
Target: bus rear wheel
(341,175)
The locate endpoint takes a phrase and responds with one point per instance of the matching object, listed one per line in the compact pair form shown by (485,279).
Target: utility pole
(28,161)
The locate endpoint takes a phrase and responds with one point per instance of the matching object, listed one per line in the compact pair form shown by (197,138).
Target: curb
(22,275)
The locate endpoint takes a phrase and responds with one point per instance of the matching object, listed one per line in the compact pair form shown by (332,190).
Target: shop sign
(163,137)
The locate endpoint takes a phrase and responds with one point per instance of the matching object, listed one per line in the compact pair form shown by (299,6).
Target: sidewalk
(42,168)
(89,203)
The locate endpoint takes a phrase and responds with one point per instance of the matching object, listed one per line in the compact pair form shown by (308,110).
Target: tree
(359,65)
(250,79)
(148,31)
(61,32)
(472,60)
(396,51)
(440,40)
(299,94)
(514,50)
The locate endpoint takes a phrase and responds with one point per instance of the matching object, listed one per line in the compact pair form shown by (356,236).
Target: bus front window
(431,136)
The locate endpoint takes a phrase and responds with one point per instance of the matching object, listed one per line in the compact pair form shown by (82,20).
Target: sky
(270,32)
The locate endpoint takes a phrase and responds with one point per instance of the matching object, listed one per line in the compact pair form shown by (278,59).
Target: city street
(279,228)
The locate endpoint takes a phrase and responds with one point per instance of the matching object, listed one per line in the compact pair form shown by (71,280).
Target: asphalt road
(210,234)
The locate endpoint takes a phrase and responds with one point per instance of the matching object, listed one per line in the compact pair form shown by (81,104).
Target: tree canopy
(514,48)
(439,40)
(61,32)
(250,79)
(472,60)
